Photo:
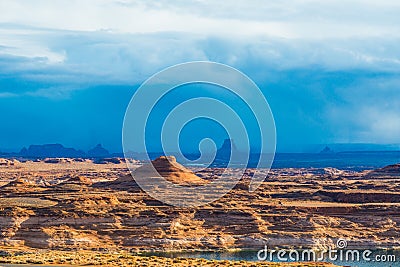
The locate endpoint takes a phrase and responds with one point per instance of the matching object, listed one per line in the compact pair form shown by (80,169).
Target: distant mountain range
(58,150)
(51,150)
(336,148)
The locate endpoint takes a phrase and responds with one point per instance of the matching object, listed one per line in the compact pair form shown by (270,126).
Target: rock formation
(78,180)
(50,150)
(20,185)
(98,151)
(55,207)
(57,160)
(326,150)
(390,171)
(115,160)
(8,162)
(224,152)
(171,170)
(125,182)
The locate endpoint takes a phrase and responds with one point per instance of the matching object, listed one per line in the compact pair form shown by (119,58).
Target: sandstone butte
(172,171)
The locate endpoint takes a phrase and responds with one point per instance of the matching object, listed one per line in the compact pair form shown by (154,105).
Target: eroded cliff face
(75,205)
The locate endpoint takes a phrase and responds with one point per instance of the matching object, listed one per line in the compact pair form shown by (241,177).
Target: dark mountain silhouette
(224,152)
(24,151)
(326,150)
(98,151)
(51,150)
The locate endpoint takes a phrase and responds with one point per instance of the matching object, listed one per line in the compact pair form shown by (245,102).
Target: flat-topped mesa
(172,171)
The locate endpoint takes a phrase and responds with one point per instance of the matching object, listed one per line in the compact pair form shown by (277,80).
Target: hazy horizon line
(295,148)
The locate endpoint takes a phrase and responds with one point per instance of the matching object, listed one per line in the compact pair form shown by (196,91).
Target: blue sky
(330,70)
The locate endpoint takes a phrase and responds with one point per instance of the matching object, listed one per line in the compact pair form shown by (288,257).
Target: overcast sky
(329,69)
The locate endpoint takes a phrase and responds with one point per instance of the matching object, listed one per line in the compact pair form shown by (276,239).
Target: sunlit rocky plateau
(76,204)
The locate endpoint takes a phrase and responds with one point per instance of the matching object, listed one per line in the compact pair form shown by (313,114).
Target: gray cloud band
(156,87)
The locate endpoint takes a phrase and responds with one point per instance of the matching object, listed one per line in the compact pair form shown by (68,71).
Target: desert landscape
(80,211)
(271,126)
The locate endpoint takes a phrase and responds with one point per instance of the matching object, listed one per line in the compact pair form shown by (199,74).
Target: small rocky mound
(80,160)
(74,184)
(385,172)
(8,162)
(19,182)
(395,168)
(57,160)
(109,160)
(78,180)
(122,183)
(171,170)
(333,171)
(20,185)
